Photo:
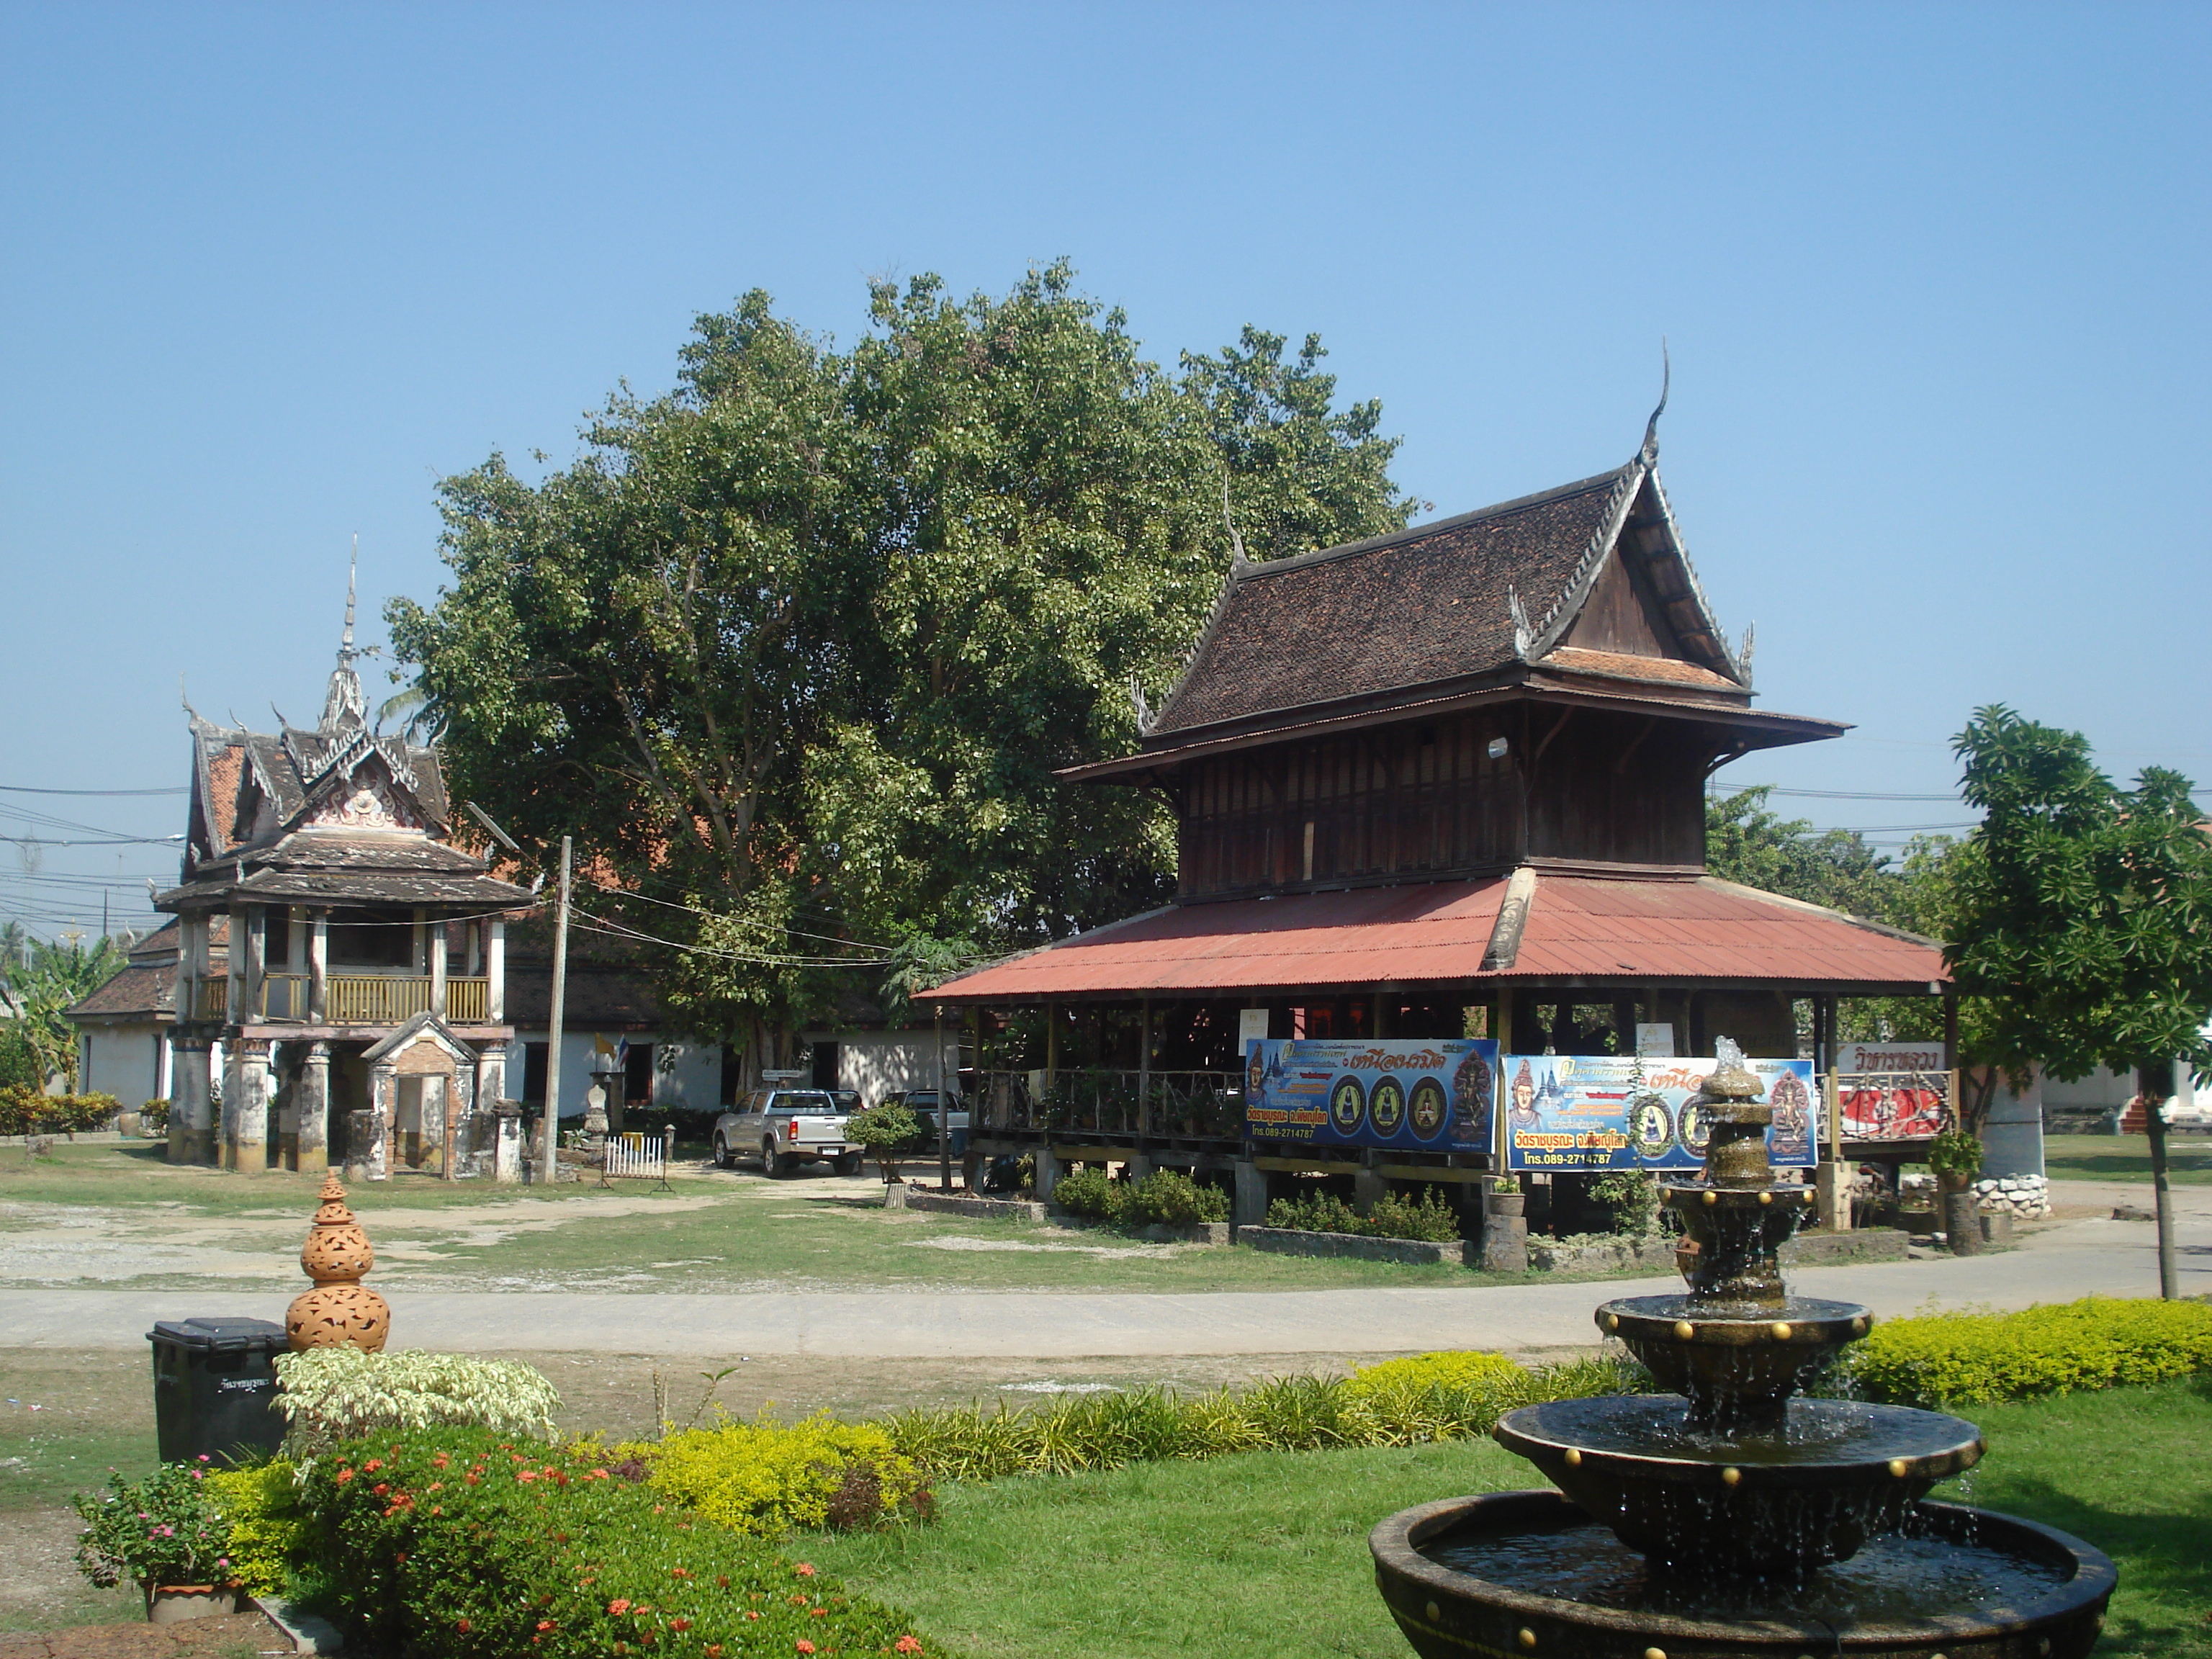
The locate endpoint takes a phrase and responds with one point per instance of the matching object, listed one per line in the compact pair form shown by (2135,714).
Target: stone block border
(1860,1244)
(1156,1233)
(1606,1253)
(905,1197)
(1292,1241)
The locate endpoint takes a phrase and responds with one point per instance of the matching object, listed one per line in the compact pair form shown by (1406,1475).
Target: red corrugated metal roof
(1578,927)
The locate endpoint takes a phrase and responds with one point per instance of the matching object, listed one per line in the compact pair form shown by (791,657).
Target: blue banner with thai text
(1437,1095)
(1568,1112)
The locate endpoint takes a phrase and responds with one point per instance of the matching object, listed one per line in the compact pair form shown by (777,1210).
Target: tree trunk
(2169,1274)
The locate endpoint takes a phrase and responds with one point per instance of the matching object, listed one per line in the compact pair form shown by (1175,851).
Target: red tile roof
(1677,932)
(1621,664)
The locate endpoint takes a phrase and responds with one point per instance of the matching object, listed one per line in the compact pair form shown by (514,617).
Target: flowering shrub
(1972,1358)
(268,1527)
(341,1393)
(25,1110)
(767,1477)
(458,1545)
(164,1529)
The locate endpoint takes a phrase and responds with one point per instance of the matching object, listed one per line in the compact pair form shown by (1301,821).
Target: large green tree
(45,979)
(2078,914)
(799,645)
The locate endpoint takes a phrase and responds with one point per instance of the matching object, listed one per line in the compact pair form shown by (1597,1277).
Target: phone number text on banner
(1567,1112)
(1432,1095)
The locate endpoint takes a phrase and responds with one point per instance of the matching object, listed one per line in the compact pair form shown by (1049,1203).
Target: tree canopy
(45,979)
(798,645)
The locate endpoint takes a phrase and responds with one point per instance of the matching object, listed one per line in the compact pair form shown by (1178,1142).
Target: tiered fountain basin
(1528,1573)
(1728,1516)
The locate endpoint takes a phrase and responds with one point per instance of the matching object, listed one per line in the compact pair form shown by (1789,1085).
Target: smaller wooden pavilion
(361,1000)
(1443,782)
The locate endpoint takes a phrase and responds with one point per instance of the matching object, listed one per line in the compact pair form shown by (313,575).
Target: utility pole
(547,1160)
(943,1113)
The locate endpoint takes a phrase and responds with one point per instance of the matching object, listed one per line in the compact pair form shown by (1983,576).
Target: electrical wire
(25,789)
(720,916)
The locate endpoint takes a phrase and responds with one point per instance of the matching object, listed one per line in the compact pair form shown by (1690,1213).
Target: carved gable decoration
(421,1048)
(365,797)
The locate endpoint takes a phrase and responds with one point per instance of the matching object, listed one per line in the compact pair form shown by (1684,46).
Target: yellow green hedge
(1972,1358)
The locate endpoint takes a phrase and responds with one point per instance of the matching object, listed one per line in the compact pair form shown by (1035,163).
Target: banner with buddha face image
(1589,1112)
(1414,1094)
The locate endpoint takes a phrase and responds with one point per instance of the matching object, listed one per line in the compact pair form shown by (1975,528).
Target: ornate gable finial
(345,708)
(1743,652)
(1143,707)
(1523,635)
(1650,454)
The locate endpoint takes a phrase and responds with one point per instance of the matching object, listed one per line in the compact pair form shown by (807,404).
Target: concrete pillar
(1831,1183)
(1249,1206)
(474,1135)
(495,973)
(418,953)
(472,938)
(255,974)
(438,969)
(375,1154)
(192,1123)
(312,1092)
(507,1141)
(318,965)
(437,1113)
(235,1009)
(1504,1233)
(1368,1188)
(1045,1175)
(245,1107)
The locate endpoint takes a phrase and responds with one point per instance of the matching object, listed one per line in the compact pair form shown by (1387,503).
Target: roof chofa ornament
(1523,635)
(346,708)
(1142,705)
(1650,454)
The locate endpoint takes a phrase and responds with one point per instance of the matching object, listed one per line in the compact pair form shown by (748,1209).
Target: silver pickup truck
(784,1128)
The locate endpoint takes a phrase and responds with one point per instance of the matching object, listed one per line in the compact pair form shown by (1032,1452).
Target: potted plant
(1955,1158)
(165,1534)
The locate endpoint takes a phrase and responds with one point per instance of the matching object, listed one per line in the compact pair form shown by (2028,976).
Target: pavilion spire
(345,707)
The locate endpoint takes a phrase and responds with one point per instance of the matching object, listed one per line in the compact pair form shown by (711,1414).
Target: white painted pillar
(495,973)
(318,965)
(235,1009)
(254,976)
(437,937)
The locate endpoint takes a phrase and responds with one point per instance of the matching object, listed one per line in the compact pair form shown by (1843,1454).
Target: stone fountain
(1732,1517)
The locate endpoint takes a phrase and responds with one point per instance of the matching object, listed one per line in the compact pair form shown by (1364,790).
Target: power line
(25,789)
(1828,795)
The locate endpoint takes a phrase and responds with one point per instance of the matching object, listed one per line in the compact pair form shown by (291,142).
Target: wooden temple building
(1446,781)
(359,1005)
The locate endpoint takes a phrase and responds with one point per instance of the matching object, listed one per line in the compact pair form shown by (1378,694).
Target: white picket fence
(636,1154)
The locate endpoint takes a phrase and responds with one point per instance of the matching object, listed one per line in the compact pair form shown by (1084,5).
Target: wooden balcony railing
(284,996)
(351,998)
(381,1000)
(205,999)
(467,1000)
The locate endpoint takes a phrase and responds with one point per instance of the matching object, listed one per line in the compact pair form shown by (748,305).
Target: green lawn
(2126,1157)
(714,1231)
(1266,1554)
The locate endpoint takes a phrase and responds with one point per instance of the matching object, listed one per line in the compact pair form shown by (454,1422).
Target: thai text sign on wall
(1568,1112)
(1435,1095)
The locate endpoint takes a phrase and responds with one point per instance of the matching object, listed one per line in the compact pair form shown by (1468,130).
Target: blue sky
(1934,280)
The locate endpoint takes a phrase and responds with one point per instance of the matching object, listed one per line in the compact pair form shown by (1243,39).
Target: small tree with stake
(2081,914)
(886,1131)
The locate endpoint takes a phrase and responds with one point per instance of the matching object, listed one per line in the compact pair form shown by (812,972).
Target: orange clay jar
(340,1309)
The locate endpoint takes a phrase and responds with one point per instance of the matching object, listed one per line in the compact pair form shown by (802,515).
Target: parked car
(922,1103)
(784,1128)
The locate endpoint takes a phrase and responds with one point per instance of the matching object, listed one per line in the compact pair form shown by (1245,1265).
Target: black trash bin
(215,1388)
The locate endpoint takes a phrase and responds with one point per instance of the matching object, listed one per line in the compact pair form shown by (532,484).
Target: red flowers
(679,1624)
(374,1465)
(804,1570)
(381,1487)
(461,1624)
(679,1572)
(526,1476)
(803,1645)
(545,1623)
(713,1651)
(619,1608)
(344,1475)
(907,1644)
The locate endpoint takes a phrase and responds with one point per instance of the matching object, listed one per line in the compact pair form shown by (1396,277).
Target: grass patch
(2126,1157)
(1267,1553)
